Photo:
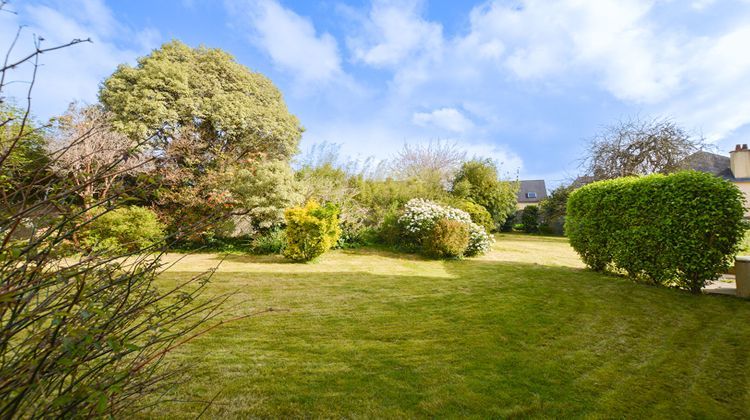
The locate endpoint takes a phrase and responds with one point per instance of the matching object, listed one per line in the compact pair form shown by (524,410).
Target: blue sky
(523,82)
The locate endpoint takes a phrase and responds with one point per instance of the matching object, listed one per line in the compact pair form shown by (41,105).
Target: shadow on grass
(494,340)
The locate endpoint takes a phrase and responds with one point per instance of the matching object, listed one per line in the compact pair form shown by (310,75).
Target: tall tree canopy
(210,119)
(236,111)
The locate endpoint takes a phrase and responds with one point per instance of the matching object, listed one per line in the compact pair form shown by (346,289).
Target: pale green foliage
(236,110)
(28,154)
(265,191)
(311,231)
(124,229)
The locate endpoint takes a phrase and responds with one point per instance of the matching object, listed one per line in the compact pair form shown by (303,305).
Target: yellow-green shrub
(310,231)
(125,229)
(681,229)
(447,239)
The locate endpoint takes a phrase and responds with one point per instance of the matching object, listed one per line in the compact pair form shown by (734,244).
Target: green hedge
(311,231)
(681,229)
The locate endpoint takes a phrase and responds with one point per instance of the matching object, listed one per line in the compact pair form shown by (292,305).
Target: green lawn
(522,332)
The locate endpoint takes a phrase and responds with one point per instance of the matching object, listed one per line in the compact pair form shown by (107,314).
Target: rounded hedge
(681,229)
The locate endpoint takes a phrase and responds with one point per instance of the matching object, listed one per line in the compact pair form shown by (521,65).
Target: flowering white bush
(420,216)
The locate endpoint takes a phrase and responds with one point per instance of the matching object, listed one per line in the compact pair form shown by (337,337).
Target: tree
(530,219)
(86,150)
(264,191)
(80,336)
(477,181)
(28,156)
(239,114)
(638,147)
(209,118)
(552,209)
(436,161)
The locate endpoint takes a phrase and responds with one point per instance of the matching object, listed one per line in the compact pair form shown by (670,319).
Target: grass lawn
(522,332)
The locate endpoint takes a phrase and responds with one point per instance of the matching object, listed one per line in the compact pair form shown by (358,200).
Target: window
(531,195)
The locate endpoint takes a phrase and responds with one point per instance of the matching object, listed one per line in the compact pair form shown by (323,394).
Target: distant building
(735,168)
(531,192)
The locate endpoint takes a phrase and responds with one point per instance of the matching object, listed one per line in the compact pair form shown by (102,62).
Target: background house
(735,168)
(531,192)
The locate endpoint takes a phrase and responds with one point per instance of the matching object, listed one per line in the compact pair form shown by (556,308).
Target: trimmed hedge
(311,231)
(681,229)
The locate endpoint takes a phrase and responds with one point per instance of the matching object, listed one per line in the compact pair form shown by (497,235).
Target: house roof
(712,163)
(532,186)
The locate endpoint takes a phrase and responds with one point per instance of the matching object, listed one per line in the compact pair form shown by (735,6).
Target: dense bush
(552,210)
(447,239)
(419,217)
(311,231)
(681,229)
(124,229)
(478,181)
(272,242)
(509,223)
(478,214)
(530,219)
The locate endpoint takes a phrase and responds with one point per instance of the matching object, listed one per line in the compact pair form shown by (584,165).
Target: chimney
(739,161)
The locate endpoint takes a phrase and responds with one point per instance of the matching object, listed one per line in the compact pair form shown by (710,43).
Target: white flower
(420,216)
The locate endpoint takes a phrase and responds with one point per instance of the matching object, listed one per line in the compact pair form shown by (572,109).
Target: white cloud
(449,119)
(701,80)
(73,73)
(394,31)
(702,4)
(290,40)
(509,163)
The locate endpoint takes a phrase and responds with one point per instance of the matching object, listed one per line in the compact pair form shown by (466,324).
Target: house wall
(745,188)
(521,206)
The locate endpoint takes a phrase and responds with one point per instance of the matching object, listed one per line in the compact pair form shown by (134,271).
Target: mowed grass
(525,331)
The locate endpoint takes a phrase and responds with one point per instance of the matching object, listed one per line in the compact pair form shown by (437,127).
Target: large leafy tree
(208,117)
(236,111)
(478,181)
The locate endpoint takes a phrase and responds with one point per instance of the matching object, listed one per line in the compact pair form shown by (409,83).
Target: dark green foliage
(530,219)
(682,229)
(447,239)
(552,210)
(390,231)
(509,223)
(311,231)
(477,181)
(272,242)
(123,230)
